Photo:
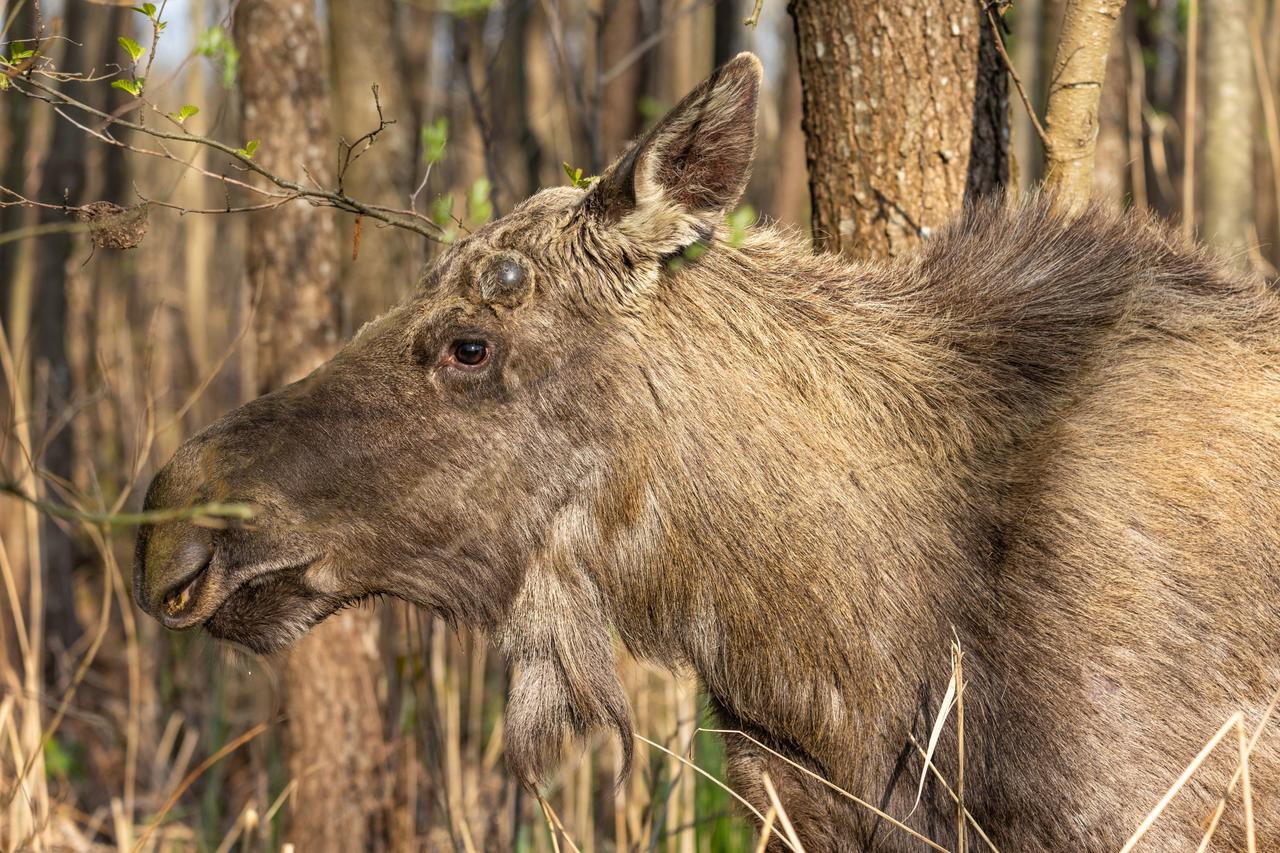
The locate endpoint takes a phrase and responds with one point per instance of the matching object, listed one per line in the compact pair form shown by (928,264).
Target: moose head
(481,447)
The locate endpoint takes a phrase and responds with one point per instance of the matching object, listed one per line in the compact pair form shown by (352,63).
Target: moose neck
(825,505)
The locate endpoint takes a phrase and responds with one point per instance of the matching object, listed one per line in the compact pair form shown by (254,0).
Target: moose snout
(172,563)
(173,559)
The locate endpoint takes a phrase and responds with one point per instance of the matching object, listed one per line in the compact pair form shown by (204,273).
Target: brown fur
(1057,438)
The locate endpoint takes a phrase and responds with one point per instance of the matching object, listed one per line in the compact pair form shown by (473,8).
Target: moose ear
(691,167)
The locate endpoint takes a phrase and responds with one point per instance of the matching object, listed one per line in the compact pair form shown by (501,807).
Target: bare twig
(288,190)
(1013,73)
(349,153)
(208,513)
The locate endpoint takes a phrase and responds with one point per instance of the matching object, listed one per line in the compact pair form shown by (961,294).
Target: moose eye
(470,353)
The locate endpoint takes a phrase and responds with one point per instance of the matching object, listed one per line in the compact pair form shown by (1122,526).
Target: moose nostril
(177,558)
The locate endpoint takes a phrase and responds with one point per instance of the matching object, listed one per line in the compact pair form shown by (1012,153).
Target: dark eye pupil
(470,352)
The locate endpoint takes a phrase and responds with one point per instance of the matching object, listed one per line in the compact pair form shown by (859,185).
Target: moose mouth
(246,603)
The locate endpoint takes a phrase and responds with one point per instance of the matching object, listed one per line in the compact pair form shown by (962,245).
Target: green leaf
(210,42)
(650,108)
(739,222)
(442,210)
(58,760)
(464,8)
(133,87)
(18,53)
(442,215)
(479,207)
(148,9)
(576,178)
(434,137)
(217,45)
(186,112)
(247,151)
(131,47)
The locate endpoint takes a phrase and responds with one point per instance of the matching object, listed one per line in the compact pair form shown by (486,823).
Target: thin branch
(208,513)
(338,199)
(1013,73)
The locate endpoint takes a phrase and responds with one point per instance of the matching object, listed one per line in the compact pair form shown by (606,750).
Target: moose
(1051,438)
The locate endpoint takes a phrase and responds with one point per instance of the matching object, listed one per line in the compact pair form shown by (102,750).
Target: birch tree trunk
(1227,184)
(1079,69)
(905,115)
(333,735)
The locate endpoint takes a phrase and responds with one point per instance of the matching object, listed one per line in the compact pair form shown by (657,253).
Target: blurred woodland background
(150,280)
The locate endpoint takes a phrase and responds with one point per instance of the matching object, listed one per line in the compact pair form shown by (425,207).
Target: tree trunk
(620,95)
(1027,49)
(508,107)
(90,42)
(333,735)
(729,31)
(1227,185)
(365,53)
(1079,69)
(905,116)
(1111,162)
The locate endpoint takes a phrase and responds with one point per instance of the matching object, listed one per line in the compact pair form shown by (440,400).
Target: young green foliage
(133,87)
(186,112)
(577,178)
(131,47)
(740,221)
(479,205)
(17,53)
(442,215)
(215,44)
(434,138)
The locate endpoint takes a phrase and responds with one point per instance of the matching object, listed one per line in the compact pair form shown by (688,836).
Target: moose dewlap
(1057,440)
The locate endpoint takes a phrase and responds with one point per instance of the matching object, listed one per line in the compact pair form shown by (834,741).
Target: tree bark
(1227,185)
(905,116)
(333,735)
(1079,69)
(623,27)
(508,106)
(365,53)
(1111,162)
